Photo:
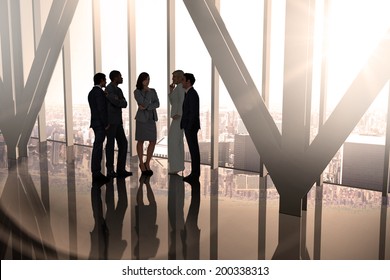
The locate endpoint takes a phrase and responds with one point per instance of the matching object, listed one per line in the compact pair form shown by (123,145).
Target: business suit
(116,101)
(191,124)
(98,106)
(146,129)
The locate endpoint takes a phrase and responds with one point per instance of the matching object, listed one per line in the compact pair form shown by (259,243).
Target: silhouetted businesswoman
(99,123)
(191,124)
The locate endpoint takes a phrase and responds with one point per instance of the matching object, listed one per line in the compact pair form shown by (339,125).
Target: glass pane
(81,39)
(188,43)
(236,148)
(55,113)
(113,22)
(151,47)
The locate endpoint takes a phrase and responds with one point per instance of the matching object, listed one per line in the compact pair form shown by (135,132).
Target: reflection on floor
(51,210)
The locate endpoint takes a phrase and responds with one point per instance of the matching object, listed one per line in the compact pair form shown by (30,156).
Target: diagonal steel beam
(22,110)
(293,175)
(360,95)
(237,79)
(7,100)
(17,58)
(49,48)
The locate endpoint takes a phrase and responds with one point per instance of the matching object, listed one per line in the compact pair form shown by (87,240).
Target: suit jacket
(116,101)
(150,101)
(190,118)
(98,105)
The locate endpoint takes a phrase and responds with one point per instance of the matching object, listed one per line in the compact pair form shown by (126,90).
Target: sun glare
(355,30)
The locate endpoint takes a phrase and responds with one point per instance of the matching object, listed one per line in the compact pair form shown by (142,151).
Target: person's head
(116,77)
(99,79)
(188,80)
(142,81)
(177,76)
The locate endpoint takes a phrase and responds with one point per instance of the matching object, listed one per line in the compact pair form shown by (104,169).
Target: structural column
(131,39)
(67,77)
(215,110)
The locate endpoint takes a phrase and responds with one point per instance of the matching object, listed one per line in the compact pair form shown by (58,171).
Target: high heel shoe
(144,171)
(148,170)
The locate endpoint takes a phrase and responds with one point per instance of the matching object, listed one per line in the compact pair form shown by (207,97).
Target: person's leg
(193,146)
(149,153)
(97,150)
(121,141)
(175,148)
(110,145)
(140,153)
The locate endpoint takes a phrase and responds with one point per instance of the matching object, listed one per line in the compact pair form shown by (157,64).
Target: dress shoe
(100,178)
(148,172)
(190,178)
(124,173)
(144,171)
(111,174)
(174,172)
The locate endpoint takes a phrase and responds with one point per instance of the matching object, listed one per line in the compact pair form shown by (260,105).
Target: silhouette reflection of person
(185,233)
(145,222)
(99,234)
(106,236)
(114,218)
(175,215)
(191,233)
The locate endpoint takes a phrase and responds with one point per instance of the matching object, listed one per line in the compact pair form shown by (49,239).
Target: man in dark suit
(191,124)
(98,105)
(116,101)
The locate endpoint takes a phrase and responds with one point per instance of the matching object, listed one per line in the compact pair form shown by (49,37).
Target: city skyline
(371,130)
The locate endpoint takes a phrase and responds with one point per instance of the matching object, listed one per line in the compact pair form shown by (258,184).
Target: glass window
(81,40)
(359,162)
(236,148)
(151,49)
(193,57)
(114,47)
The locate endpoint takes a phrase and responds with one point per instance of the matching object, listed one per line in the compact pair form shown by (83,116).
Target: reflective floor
(51,210)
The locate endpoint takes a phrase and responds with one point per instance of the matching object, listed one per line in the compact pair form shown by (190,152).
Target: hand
(175,117)
(171,86)
(141,107)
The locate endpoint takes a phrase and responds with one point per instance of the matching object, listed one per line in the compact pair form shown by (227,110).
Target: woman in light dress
(175,134)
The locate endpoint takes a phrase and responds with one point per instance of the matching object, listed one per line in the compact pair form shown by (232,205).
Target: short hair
(114,74)
(190,77)
(98,78)
(179,72)
(142,77)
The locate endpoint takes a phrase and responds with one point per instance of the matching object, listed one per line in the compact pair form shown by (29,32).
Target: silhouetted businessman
(116,101)
(191,124)
(99,123)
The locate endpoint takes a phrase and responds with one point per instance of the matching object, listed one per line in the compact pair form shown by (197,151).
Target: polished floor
(49,209)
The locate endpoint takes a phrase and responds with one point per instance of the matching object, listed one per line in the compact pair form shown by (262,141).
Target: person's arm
(192,110)
(101,106)
(177,103)
(154,102)
(115,100)
(140,99)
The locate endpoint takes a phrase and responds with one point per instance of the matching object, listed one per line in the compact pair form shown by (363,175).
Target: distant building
(246,156)
(225,153)
(363,162)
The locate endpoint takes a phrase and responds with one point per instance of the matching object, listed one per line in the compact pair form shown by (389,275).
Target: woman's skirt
(145,131)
